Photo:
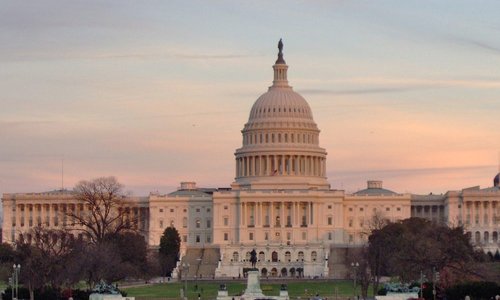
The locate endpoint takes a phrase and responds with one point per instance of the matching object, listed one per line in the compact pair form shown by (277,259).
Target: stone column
(282,217)
(311,213)
(271,215)
(283,169)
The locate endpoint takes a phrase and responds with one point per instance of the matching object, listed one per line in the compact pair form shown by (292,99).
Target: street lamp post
(355,266)
(185,269)
(15,279)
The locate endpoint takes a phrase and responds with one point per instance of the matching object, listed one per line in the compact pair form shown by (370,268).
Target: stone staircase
(210,260)
(202,262)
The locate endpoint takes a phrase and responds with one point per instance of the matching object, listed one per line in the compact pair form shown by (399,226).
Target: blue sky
(156,92)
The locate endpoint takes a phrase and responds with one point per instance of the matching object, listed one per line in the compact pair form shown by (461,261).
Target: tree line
(110,246)
(416,250)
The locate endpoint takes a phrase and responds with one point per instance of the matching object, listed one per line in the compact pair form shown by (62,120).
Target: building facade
(280,203)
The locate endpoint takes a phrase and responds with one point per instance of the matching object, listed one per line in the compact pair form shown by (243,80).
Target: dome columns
(280,165)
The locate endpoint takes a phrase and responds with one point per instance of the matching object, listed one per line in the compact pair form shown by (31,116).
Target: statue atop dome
(280,59)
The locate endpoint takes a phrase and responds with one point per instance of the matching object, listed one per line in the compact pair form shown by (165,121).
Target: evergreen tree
(170,243)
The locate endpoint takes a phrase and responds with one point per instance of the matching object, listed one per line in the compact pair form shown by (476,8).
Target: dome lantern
(280,69)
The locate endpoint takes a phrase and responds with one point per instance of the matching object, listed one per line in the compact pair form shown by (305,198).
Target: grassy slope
(208,290)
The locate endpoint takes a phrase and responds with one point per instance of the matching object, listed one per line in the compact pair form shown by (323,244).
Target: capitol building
(280,203)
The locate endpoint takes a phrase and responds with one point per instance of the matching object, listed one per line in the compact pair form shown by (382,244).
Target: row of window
(486,237)
(486,220)
(185,223)
(172,210)
(361,209)
(275,256)
(279,138)
(197,239)
(251,236)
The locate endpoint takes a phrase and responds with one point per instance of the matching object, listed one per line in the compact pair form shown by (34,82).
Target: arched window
(274,256)
(314,255)
(486,237)
(288,256)
(478,237)
(262,256)
(300,256)
(248,256)
(236,256)
(263,272)
(495,236)
(198,223)
(284,272)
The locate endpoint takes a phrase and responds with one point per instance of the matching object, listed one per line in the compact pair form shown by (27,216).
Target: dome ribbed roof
(280,103)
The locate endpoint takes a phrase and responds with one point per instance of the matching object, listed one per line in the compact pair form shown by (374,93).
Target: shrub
(476,290)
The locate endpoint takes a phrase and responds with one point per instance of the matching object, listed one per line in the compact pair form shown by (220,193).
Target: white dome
(280,103)
(280,148)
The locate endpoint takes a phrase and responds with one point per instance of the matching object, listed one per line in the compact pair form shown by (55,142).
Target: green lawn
(208,290)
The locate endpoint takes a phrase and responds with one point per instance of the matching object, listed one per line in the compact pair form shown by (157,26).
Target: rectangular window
(398,209)
(330,221)
(226,236)
(197,238)
(209,223)
(329,236)
(171,210)
(266,236)
(361,209)
(288,235)
(226,221)
(250,236)
(387,209)
(161,209)
(209,239)
(184,238)
(225,206)
(304,235)
(161,223)
(329,207)
(197,210)
(208,209)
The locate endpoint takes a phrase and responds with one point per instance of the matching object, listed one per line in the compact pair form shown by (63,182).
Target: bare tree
(44,258)
(104,211)
(357,259)
(376,248)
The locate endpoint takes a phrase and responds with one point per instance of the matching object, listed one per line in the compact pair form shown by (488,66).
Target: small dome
(374,188)
(496,180)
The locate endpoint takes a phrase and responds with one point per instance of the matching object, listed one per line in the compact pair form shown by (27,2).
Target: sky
(157,92)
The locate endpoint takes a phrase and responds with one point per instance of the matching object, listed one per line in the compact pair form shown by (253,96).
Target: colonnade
(56,214)
(480,217)
(431,212)
(277,214)
(481,213)
(271,165)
